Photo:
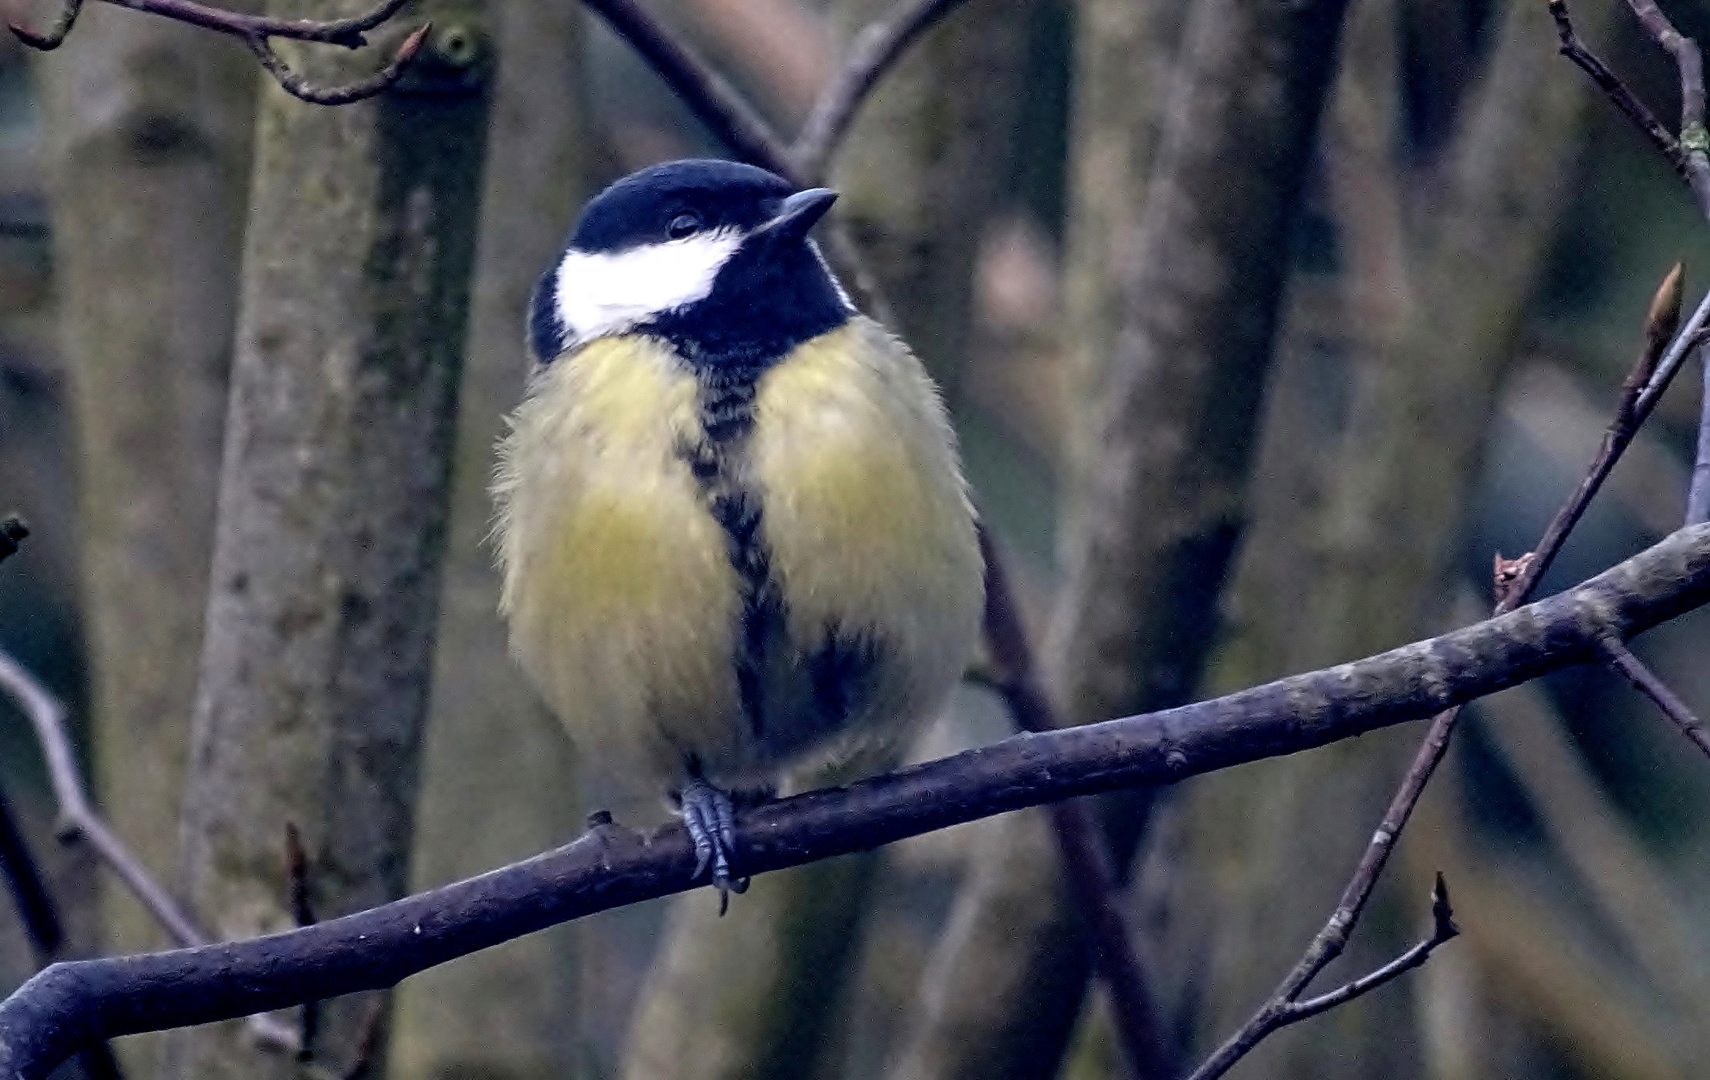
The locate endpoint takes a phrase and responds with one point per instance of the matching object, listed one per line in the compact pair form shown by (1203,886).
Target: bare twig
(1085,861)
(1622,659)
(1281,1012)
(303,914)
(254,31)
(79,821)
(42,925)
(36,910)
(299,87)
(1515,580)
(73,1003)
(12,533)
(1694,139)
(708,96)
(1617,91)
(875,49)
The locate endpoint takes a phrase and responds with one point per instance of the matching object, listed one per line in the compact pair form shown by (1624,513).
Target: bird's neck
(766,300)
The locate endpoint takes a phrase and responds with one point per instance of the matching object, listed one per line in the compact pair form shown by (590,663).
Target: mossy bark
(332,506)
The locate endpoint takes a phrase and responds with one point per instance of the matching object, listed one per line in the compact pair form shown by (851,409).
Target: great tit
(731,520)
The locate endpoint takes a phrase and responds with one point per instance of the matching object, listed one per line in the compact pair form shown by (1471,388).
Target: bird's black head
(711,255)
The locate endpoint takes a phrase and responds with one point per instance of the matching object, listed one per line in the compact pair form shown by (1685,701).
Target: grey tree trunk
(498,775)
(332,506)
(148,126)
(1158,495)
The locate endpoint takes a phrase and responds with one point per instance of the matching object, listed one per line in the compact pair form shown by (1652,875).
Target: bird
(731,523)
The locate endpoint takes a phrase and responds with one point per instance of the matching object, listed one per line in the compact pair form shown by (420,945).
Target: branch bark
(70,1004)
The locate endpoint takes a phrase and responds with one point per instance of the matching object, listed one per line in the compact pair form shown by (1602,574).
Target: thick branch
(71,1004)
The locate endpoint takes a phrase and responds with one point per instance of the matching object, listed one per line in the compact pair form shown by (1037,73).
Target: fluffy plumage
(625,608)
(731,522)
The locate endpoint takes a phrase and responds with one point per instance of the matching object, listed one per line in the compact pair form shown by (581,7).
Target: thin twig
(708,96)
(1690,155)
(77,818)
(79,821)
(875,49)
(1616,90)
(40,917)
(36,910)
(1622,659)
(1515,581)
(254,31)
(1085,861)
(1280,1013)
(12,533)
(301,88)
(303,914)
(1694,139)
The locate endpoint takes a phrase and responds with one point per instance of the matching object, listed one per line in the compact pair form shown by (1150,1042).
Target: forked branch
(255,31)
(1659,358)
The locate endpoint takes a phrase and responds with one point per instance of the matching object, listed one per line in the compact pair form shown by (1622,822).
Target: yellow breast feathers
(681,615)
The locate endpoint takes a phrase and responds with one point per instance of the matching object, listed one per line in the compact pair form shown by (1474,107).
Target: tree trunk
(498,775)
(1158,495)
(332,506)
(148,125)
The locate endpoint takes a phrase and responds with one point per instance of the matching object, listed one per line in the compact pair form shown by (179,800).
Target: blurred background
(1259,347)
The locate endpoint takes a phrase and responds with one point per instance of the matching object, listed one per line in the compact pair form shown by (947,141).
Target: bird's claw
(710,817)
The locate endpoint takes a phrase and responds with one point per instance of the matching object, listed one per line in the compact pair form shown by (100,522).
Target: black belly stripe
(727,418)
(837,670)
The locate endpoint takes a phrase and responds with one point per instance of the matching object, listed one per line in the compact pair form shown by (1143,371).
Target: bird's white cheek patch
(601,293)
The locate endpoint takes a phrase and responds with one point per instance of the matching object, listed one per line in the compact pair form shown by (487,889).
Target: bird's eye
(684,224)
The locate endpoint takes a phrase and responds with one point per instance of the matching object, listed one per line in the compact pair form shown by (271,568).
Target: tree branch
(1281,1013)
(1086,863)
(72,1004)
(254,31)
(1622,659)
(1694,139)
(707,95)
(1515,582)
(1617,91)
(79,821)
(875,50)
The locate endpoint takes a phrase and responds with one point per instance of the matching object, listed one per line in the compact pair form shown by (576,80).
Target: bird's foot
(710,816)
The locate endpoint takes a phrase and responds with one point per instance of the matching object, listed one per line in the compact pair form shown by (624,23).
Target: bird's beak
(800,213)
